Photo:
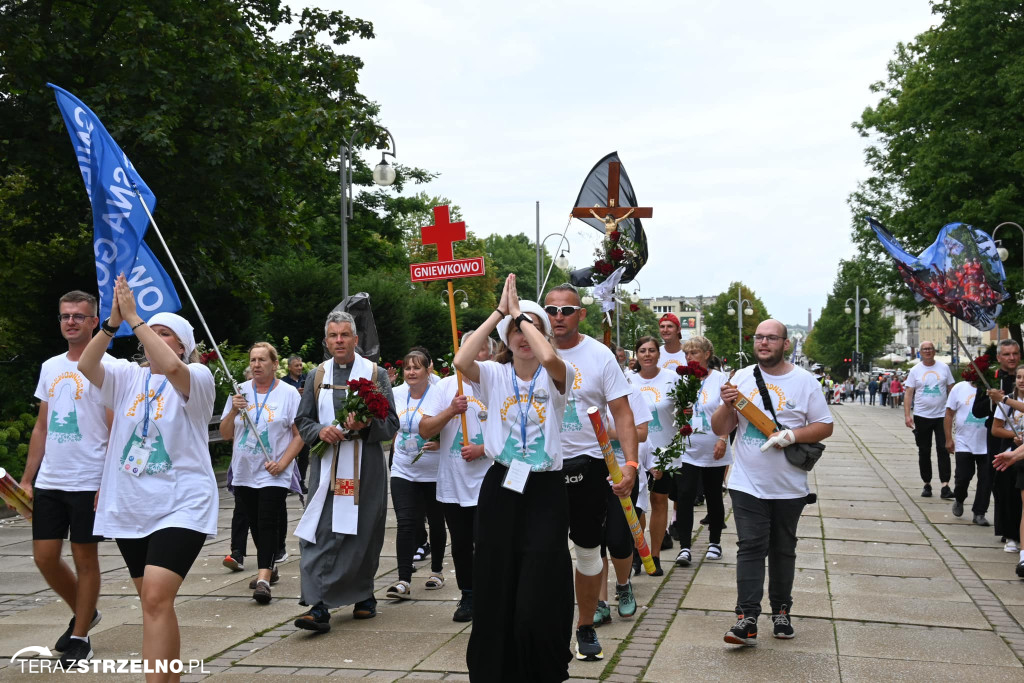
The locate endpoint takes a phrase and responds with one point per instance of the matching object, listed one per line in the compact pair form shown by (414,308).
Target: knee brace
(588,561)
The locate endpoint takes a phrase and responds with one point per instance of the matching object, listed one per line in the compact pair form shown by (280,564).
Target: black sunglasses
(566,310)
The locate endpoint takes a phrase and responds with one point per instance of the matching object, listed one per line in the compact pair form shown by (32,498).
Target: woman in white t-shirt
(1008,508)
(522,576)
(414,480)
(261,485)
(655,385)
(158,497)
(704,461)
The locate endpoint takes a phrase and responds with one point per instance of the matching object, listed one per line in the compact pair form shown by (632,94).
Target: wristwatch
(523,318)
(107,327)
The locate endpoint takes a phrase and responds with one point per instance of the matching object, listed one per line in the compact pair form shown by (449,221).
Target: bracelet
(723,439)
(109,334)
(141,322)
(636,465)
(498,311)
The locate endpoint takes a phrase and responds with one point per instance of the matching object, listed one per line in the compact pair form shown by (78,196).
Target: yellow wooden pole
(455,344)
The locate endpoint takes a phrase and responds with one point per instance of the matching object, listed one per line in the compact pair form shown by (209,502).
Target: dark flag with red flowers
(960,273)
(627,246)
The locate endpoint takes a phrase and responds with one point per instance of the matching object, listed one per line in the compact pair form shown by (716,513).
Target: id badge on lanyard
(138,455)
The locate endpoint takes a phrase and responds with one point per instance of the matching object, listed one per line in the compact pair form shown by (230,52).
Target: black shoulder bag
(802,455)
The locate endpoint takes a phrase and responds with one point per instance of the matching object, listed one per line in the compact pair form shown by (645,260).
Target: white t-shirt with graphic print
(408,442)
(273,417)
(701,451)
(668,360)
(177,487)
(458,481)
(968,431)
(798,402)
(542,449)
(76,427)
(598,380)
(930,383)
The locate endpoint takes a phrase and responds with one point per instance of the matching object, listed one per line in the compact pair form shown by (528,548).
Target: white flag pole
(202,320)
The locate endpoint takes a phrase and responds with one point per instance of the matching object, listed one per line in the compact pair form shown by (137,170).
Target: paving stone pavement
(888,586)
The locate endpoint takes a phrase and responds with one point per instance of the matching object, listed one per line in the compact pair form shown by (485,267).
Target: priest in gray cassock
(342,528)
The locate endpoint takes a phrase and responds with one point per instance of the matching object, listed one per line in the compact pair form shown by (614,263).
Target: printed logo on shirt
(669,364)
(248,441)
(63,394)
(159,461)
(570,418)
(473,421)
(533,453)
(927,388)
(652,396)
(755,396)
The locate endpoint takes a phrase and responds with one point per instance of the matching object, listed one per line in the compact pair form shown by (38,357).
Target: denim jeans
(766,528)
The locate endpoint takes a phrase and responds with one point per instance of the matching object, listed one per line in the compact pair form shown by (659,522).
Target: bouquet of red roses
(684,393)
(364,401)
(985,365)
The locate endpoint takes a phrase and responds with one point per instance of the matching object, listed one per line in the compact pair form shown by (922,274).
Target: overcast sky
(731,118)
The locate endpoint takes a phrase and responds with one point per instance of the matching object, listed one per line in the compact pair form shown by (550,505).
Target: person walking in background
(297,378)
(927,391)
(872,390)
(971,451)
(883,390)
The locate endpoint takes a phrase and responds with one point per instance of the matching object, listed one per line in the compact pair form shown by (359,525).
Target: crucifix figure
(612,214)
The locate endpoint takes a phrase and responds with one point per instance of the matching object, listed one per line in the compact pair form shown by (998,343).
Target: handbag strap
(766,399)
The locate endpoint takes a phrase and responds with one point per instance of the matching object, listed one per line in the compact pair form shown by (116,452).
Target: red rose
(398,363)
(634,308)
(616,254)
(387,366)
(686,430)
(746,337)
(444,372)
(700,372)
(614,236)
(683,370)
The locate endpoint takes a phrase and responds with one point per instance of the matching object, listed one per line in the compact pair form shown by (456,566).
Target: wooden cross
(443,233)
(612,211)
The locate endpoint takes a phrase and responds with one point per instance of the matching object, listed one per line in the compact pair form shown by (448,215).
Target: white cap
(526,306)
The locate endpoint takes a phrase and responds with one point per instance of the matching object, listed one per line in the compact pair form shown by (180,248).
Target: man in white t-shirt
(672,349)
(925,393)
(594,509)
(971,448)
(63,473)
(768,492)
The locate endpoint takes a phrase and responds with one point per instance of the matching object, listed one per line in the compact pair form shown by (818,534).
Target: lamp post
(462,304)
(856,302)
(561,261)
(383,175)
(743,306)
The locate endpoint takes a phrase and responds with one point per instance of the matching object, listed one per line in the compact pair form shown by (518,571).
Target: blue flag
(959,273)
(119,221)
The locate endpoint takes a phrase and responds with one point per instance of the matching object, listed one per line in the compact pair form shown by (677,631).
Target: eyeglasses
(771,338)
(77,317)
(566,310)
(927,348)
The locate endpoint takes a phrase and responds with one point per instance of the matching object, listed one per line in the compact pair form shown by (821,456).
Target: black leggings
(462,527)
(264,506)
(240,527)
(686,483)
(413,500)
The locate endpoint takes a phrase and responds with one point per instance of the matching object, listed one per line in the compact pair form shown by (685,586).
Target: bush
(14,437)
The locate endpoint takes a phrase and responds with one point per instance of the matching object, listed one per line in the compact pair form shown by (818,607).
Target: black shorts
(1020,475)
(172,548)
(662,486)
(587,489)
(55,513)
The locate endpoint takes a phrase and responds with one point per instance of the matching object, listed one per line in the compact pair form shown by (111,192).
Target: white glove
(780,440)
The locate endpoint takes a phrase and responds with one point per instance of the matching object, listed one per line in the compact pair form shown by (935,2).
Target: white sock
(1022,555)
(85,638)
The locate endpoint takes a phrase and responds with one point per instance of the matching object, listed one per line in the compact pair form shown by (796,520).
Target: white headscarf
(181,328)
(526,306)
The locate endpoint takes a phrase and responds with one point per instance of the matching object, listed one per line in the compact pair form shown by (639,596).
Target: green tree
(834,335)
(518,254)
(947,138)
(721,328)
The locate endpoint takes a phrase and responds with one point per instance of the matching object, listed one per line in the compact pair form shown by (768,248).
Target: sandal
(400,590)
(435,582)
(714,552)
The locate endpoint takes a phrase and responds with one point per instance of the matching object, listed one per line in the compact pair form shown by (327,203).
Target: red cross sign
(344,487)
(444,234)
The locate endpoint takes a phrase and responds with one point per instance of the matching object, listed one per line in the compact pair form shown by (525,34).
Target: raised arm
(465,359)
(540,344)
(162,358)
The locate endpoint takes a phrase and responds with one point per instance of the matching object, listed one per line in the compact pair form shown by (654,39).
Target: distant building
(913,328)
(689,310)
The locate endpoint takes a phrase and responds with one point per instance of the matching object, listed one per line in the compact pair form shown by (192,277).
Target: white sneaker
(1011,546)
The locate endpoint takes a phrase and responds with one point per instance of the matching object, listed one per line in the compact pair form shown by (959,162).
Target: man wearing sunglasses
(63,472)
(768,492)
(594,511)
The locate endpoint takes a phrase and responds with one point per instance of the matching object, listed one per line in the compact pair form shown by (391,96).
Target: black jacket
(983,408)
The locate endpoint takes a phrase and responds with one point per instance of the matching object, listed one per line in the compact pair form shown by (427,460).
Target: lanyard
(523,413)
(256,398)
(408,400)
(147,401)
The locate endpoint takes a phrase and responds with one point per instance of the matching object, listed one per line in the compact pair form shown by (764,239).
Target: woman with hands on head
(522,571)
(158,497)
(261,484)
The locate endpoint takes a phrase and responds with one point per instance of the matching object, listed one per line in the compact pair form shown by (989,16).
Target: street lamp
(743,307)
(561,261)
(857,300)
(462,304)
(586,300)
(383,175)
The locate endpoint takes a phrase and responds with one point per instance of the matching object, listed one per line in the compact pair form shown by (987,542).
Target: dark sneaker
(65,638)
(1020,569)
(274,578)
(235,561)
(744,632)
(946,493)
(658,571)
(588,648)
(316,619)
(603,614)
(782,626)
(77,650)
(666,541)
(281,556)
(637,563)
(672,532)
(958,508)
(262,593)
(926,492)
(464,612)
(627,602)
(980,520)
(683,558)
(699,501)
(365,609)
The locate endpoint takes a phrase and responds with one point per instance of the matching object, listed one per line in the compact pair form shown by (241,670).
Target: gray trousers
(766,528)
